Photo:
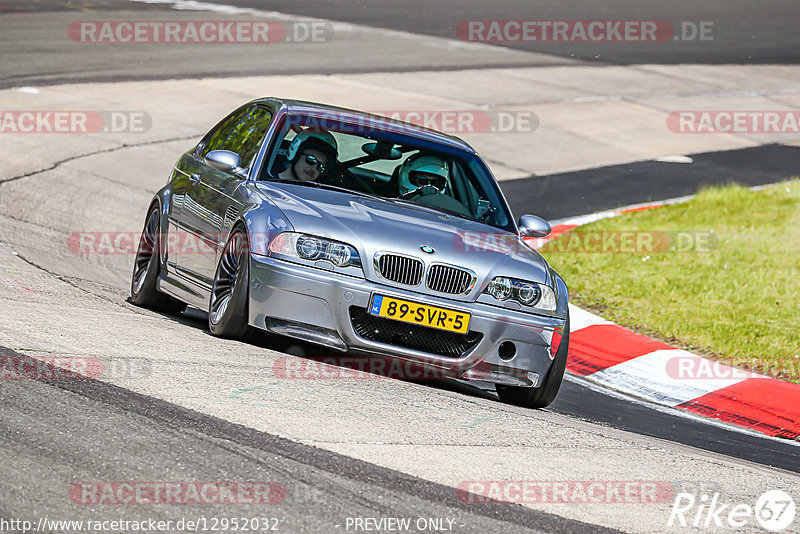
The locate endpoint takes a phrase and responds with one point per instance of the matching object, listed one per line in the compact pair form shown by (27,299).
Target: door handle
(195,178)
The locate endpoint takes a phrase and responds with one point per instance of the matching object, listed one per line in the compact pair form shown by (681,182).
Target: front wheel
(146,266)
(228,310)
(545,394)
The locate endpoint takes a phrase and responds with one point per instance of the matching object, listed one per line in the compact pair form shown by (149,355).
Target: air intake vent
(411,336)
(230,215)
(401,269)
(447,279)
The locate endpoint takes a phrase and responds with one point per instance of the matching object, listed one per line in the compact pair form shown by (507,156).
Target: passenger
(310,154)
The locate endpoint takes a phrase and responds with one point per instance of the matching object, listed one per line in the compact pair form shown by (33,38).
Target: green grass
(735,298)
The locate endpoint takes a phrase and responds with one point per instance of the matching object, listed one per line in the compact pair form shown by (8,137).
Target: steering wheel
(421,191)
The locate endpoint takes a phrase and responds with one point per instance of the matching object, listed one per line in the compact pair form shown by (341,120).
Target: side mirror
(225,161)
(533,226)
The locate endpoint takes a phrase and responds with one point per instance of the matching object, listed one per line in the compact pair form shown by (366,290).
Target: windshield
(385,163)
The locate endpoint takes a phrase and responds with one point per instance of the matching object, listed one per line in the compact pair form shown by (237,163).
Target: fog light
(507,350)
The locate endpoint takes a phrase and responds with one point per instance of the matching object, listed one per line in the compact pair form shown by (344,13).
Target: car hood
(373,225)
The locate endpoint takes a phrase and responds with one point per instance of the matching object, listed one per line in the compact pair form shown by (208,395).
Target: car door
(180,184)
(209,199)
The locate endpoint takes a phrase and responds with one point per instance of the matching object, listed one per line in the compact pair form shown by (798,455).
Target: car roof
(354,116)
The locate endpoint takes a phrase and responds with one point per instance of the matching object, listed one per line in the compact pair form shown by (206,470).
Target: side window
(217,138)
(241,133)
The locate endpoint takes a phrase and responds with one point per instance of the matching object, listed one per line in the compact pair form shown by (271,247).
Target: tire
(228,305)
(545,394)
(146,268)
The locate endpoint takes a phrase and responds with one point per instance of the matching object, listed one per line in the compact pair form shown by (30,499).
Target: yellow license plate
(421,314)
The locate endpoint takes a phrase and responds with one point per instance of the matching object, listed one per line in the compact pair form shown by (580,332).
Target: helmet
(422,169)
(319,140)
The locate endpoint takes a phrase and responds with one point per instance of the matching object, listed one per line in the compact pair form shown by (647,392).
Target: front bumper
(314,304)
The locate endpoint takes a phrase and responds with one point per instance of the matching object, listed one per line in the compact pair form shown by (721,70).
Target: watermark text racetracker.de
(467,121)
(73,121)
(583,31)
(73,368)
(199,32)
(574,241)
(177,493)
(450,121)
(376,367)
(735,121)
(172,243)
(686,366)
(590,242)
(565,491)
(50,368)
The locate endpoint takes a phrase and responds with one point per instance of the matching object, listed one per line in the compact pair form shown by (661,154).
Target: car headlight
(313,248)
(526,293)
(500,288)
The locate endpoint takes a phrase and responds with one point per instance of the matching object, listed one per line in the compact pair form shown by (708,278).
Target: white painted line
(675,158)
(580,220)
(592,217)
(648,377)
(603,390)
(579,319)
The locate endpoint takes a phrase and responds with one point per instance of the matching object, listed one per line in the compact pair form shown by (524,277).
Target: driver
(425,179)
(310,154)
(423,171)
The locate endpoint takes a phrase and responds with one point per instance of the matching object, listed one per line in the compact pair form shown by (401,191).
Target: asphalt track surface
(569,194)
(744,32)
(149,439)
(93,416)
